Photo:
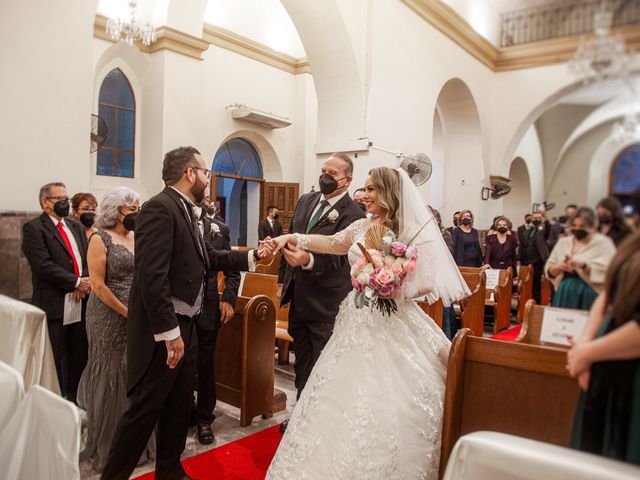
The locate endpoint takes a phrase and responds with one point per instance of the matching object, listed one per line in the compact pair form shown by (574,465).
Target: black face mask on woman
(580,234)
(88,219)
(465,221)
(328,184)
(502,229)
(61,208)
(129,221)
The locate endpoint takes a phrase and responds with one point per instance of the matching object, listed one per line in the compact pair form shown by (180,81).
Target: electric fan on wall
(418,167)
(98,132)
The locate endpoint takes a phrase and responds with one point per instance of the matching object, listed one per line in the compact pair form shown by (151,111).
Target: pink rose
(385,291)
(385,276)
(362,261)
(398,248)
(355,284)
(396,268)
(412,252)
(410,265)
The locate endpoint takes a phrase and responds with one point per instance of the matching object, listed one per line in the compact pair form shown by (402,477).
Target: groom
(172,268)
(316,284)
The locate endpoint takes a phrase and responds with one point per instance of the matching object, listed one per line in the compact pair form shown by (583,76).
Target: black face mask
(604,219)
(129,221)
(211,211)
(328,184)
(502,229)
(61,208)
(276,216)
(465,221)
(580,234)
(536,222)
(88,219)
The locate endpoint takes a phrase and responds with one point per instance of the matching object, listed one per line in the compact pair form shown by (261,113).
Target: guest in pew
(500,249)
(558,229)
(535,252)
(83,206)
(172,268)
(216,311)
(270,226)
(606,362)
(56,247)
(579,262)
(102,391)
(611,221)
(456,221)
(466,252)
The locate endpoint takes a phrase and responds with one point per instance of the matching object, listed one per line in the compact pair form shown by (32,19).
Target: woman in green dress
(578,262)
(605,362)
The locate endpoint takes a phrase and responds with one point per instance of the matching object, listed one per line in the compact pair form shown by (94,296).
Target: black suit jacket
(330,274)
(168,263)
(209,319)
(265,230)
(539,244)
(51,263)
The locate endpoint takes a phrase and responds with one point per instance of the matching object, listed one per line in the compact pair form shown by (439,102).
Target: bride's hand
(281,241)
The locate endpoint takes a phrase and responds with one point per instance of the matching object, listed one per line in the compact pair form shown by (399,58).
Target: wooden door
(284,196)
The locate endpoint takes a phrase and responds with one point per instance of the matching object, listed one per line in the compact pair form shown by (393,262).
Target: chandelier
(603,56)
(130,30)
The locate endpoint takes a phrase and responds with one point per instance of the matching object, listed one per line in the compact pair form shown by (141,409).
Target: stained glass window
(625,173)
(238,157)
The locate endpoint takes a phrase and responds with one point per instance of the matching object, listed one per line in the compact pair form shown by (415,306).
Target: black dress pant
(206,376)
(70,354)
(163,397)
(538,269)
(310,335)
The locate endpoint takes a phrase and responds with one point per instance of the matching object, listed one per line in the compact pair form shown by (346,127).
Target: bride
(372,407)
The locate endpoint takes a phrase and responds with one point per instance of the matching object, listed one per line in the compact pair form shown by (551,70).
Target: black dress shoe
(283,426)
(205,434)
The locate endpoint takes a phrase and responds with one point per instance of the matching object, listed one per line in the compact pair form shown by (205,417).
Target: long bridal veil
(436,275)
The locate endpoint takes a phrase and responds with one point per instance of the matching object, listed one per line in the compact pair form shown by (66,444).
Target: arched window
(238,157)
(117,106)
(625,171)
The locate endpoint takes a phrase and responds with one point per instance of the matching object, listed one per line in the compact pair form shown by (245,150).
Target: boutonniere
(215,229)
(333,216)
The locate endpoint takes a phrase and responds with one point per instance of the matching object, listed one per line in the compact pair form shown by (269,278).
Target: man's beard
(198,192)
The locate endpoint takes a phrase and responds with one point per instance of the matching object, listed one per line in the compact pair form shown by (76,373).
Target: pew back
(472,307)
(524,289)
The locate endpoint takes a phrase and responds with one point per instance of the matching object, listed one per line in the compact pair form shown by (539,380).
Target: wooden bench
(244,362)
(472,307)
(524,289)
(546,290)
(506,387)
(531,323)
(498,298)
(269,265)
(435,310)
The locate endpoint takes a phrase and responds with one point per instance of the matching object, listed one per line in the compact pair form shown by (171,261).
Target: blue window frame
(237,157)
(625,174)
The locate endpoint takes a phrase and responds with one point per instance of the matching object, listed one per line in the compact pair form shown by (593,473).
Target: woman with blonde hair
(372,407)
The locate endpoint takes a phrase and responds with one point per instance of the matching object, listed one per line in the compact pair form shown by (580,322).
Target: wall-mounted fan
(99,132)
(499,188)
(418,167)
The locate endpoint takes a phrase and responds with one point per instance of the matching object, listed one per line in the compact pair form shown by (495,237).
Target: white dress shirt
(332,201)
(72,241)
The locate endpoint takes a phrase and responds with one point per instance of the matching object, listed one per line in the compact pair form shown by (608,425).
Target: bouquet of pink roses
(379,274)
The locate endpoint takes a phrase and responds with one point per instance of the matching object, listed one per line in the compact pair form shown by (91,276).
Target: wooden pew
(531,323)
(269,265)
(244,362)
(546,289)
(506,387)
(524,289)
(435,311)
(498,298)
(472,307)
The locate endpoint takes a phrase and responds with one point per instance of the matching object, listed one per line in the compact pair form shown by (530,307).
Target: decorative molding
(233,42)
(537,54)
(167,38)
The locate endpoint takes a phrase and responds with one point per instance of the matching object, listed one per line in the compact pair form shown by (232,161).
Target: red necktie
(65,237)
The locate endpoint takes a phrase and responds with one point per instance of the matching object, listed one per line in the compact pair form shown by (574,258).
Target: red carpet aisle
(508,335)
(244,459)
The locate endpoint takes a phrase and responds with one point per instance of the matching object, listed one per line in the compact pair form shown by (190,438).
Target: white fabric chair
(498,456)
(12,392)
(42,439)
(25,345)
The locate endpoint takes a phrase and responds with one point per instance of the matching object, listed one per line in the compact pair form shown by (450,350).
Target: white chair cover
(11,392)
(25,345)
(42,439)
(497,456)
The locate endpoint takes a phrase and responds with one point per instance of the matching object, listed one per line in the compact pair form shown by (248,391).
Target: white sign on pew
(493,277)
(560,323)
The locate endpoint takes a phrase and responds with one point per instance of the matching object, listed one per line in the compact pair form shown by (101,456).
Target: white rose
(215,229)
(368,269)
(333,216)
(363,279)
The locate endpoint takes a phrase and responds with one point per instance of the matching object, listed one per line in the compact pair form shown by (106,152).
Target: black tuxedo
(316,294)
(53,277)
(171,261)
(534,251)
(265,230)
(208,322)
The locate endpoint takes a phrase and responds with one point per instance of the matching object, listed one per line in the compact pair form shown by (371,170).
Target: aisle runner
(244,459)
(508,335)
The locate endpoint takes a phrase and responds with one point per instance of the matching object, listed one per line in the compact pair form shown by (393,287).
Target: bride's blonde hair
(387,184)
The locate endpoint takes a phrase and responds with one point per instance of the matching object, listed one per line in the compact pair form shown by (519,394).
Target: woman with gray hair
(102,391)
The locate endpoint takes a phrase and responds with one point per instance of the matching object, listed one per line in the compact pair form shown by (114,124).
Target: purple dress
(501,255)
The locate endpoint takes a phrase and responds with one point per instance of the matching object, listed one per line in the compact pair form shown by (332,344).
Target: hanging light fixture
(131,30)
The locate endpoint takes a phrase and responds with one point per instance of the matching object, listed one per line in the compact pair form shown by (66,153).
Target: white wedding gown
(372,407)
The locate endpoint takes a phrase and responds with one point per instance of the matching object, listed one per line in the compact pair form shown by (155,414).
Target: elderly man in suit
(316,284)
(216,312)
(56,248)
(270,226)
(172,269)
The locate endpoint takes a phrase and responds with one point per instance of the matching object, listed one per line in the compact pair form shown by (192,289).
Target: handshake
(296,257)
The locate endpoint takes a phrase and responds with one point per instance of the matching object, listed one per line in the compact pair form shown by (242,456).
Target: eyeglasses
(207,172)
(59,198)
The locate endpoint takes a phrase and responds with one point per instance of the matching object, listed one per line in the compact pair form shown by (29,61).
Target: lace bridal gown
(372,407)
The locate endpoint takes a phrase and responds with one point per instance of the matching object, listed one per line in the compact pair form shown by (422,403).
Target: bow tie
(197,212)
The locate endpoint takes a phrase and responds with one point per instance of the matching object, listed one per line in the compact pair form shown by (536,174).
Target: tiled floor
(227,424)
